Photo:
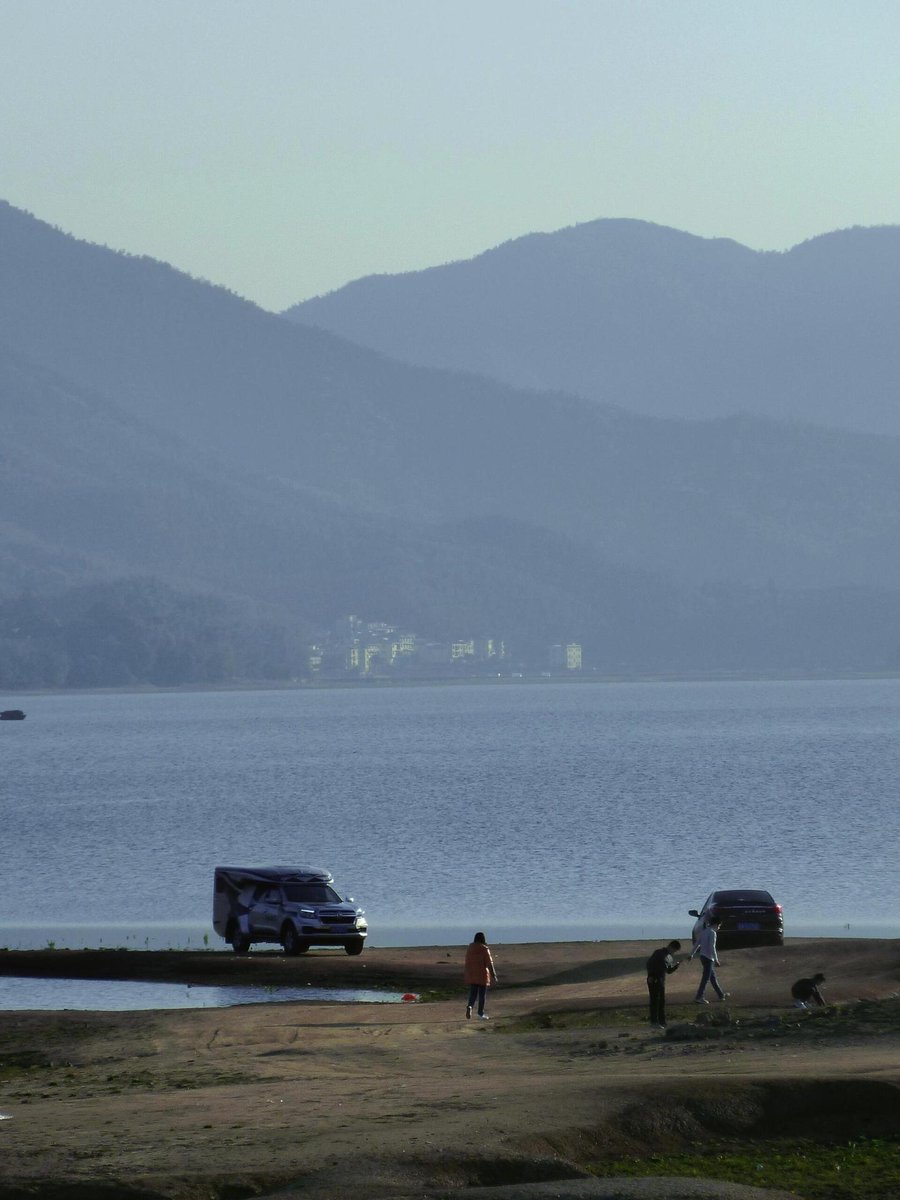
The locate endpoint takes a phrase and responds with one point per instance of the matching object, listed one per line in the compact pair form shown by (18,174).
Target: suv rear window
(310,893)
(743,898)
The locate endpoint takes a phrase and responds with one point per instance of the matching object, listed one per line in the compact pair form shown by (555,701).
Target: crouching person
(806,991)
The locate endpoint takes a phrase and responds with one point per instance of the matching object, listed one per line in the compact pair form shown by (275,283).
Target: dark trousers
(477,991)
(656,986)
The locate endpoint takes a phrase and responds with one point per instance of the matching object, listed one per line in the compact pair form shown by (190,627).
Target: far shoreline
(197,937)
(530,679)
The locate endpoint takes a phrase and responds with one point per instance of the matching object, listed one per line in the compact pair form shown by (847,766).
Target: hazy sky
(283,147)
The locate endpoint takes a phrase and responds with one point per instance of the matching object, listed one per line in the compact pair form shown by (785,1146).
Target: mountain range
(158,428)
(654,320)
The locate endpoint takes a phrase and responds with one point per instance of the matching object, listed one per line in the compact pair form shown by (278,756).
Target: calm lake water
(113,995)
(531,811)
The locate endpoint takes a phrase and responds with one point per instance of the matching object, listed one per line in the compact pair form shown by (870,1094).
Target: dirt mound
(659,1188)
(818,1109)
(540,1180)
(677,1115)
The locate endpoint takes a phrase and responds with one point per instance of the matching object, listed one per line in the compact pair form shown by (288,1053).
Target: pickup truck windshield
(310,893)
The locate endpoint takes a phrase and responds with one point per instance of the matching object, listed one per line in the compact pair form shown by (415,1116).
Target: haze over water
(559,810)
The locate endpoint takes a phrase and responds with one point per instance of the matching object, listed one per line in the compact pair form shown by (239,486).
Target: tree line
(138,631)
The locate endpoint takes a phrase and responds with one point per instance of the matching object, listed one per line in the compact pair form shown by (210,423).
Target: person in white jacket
(706,948)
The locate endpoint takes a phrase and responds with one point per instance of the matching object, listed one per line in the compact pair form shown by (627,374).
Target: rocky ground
(339,1101)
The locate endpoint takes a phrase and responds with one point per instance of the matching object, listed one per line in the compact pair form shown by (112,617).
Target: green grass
(432,995)
(865,1169)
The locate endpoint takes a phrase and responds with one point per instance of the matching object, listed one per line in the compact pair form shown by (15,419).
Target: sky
(285,147)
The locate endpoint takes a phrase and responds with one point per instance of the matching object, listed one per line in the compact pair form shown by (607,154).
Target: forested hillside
(138,631)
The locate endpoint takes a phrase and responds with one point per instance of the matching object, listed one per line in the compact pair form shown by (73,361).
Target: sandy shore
(341,1101)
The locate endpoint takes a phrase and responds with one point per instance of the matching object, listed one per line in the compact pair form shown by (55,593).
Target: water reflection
(115,995)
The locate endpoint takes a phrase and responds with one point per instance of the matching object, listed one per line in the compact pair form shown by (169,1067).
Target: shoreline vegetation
(566,1091)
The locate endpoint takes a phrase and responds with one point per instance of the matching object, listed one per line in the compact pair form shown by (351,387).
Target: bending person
(660,964)
(805,990)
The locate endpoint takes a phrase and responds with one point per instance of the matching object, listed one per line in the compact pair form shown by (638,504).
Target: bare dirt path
(341,1100)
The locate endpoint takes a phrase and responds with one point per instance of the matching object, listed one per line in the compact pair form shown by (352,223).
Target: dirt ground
(339,1101)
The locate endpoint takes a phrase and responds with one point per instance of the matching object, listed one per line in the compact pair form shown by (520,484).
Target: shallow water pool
(115,995)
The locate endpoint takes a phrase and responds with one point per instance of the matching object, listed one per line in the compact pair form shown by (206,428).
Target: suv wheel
(354,947)
(291,941)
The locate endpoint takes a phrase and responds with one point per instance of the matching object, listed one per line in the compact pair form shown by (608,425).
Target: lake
(532,811)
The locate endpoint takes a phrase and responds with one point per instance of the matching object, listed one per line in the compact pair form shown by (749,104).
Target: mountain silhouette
(654,320)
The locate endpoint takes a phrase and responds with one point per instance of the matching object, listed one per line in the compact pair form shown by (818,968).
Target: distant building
(464,649)
(404,644)
(375,655)
(359,648)
(487,647)
(565,657)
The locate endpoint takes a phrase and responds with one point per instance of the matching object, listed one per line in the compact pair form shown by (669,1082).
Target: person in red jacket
(479,974)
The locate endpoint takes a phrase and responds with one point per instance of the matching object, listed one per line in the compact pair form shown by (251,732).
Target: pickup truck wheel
(354,947)
(238,941)
(291,941)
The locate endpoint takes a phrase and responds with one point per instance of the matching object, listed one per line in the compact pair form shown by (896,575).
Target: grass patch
(45,1030)
(434,995)
(863,1018)
(866,1017)
(126,1082)
(864,1169)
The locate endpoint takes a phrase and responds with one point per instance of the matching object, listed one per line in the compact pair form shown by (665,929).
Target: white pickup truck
(296,907)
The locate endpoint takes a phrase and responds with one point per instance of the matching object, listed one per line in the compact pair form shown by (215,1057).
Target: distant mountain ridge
(654,320)
(737,499)
(157,426)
